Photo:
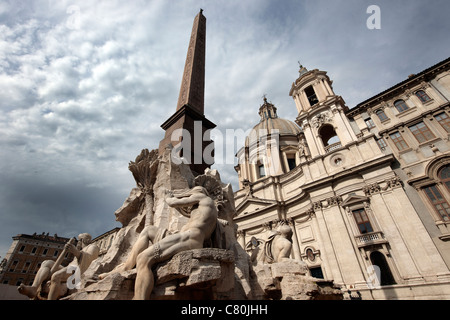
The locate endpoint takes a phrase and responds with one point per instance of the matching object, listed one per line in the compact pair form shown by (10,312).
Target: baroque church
(366,191)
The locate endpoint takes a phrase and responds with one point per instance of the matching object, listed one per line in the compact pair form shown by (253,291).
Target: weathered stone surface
(289,280)
(207,269)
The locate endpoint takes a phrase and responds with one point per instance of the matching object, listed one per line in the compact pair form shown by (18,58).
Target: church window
(401,105)
(383,117)
(443,120)
(291,163)
(362,220)
(423,97)
(438,202)
(421,132)
(316,272)
(397,139)
(311,95)
(262,171)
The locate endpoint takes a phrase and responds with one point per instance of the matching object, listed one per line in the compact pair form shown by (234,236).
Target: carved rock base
(289,280)
(195,274)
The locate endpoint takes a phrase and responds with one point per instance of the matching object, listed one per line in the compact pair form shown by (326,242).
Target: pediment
(252,204)
(354,199)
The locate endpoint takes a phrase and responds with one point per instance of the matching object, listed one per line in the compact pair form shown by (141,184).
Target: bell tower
(321,113)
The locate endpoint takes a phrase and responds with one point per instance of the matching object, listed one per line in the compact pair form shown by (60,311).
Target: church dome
(270,123)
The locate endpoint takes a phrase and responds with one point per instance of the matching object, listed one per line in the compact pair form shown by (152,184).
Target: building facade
(26,254)
(364,214)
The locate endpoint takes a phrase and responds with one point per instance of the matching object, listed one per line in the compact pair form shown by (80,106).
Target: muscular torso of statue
(202,222)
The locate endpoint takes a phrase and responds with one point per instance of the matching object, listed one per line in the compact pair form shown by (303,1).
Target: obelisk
(188,128)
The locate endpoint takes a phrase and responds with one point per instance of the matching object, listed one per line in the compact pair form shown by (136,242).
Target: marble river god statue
(84,253)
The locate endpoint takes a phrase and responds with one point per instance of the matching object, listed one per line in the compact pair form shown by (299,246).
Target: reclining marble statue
(84,253)
(156,245)
(202,223)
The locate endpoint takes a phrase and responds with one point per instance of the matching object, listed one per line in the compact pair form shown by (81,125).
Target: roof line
(410,79)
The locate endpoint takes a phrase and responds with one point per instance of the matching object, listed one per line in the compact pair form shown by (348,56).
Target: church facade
(365,190)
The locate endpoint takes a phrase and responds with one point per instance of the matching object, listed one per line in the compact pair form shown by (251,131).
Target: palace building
(365,190)
(26,254)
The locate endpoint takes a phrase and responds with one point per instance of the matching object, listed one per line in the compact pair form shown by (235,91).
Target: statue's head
(286,231)
(84,239)
(196,189)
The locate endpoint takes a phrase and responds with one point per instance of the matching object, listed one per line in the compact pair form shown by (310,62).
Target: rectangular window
(25,267)
(262,172)
(362,220)
(421,132)
(438,201)
(14,265)
(316,272)
(397,139)
(291,163)
(382,144)
(443,120)
(369,122)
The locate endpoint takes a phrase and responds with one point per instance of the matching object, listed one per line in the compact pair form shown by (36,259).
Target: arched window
(311,95)
(385,276)
(329,138)
(422,96)
(444,176)
(380,113)
(401,105)
(438,201)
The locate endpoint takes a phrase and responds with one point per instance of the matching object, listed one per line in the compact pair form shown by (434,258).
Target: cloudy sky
(85,86)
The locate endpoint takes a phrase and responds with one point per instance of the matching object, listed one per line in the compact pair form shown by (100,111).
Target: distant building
(26,254)
(105,240)
(361,187)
